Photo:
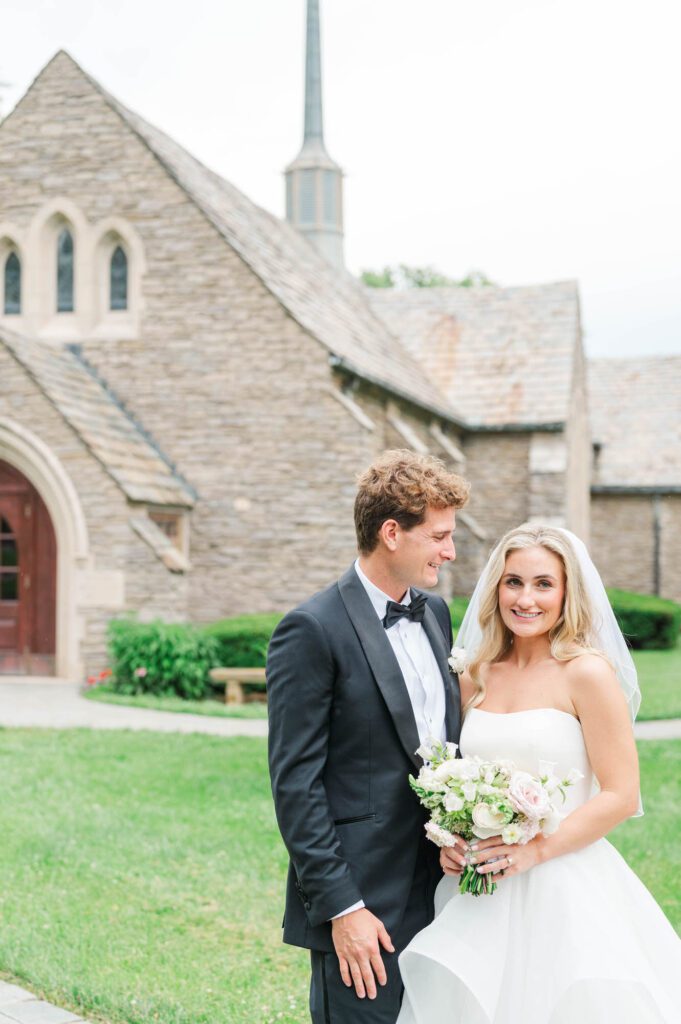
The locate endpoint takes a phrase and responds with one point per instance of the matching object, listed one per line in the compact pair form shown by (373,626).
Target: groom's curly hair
(402,485)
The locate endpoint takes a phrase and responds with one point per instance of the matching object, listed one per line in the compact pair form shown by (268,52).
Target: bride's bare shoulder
(591,679)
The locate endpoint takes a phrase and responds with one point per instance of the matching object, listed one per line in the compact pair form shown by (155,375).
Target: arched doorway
(28,578)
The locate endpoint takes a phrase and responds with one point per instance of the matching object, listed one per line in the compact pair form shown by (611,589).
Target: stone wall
(497,465)
(622,540)
(670,546)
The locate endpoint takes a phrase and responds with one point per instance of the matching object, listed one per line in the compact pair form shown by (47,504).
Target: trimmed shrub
(161,658)
(242,642)
(648,622)
(457,610)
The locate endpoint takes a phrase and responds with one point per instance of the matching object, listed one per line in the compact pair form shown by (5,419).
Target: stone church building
(190,385)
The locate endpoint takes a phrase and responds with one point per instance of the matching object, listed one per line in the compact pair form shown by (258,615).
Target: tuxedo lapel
(382,661)
(450,681)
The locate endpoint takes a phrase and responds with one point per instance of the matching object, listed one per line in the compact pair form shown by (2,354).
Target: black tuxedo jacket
(342,742)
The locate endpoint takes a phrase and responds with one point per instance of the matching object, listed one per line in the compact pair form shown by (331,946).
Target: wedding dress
(576,940)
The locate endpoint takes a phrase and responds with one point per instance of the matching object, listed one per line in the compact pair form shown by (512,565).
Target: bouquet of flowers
(478,799)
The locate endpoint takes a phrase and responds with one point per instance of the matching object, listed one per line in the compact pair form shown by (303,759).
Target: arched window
(65,272)
(12,284)
(118,280)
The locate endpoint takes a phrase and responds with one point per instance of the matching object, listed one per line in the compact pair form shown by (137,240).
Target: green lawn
(659,674)
(142,876)
(106,695)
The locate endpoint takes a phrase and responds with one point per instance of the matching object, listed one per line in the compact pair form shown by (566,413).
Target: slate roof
(635,407)
(113,437)
(504,357)
(331,305)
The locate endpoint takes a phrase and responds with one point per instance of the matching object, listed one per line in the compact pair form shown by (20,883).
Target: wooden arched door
(28,566)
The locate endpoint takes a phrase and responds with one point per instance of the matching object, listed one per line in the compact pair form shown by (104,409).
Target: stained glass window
(119,279)
(65,272)
(12,284)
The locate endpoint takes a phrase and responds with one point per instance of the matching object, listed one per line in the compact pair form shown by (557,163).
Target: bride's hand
(495,857)
(452,858)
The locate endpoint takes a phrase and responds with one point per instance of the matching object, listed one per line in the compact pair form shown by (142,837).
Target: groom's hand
(357,938)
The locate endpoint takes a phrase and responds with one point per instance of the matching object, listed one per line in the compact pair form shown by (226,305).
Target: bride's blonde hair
(569,636)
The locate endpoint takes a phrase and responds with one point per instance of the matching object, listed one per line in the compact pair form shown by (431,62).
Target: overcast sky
(535,140)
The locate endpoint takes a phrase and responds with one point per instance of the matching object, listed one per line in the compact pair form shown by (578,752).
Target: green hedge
(242,641)
(457,610)
(161,658)
(648,622)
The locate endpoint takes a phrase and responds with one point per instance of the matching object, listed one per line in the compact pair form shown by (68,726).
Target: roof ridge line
(76,351)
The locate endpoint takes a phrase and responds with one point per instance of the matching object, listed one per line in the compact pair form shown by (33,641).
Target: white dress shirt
(420,670)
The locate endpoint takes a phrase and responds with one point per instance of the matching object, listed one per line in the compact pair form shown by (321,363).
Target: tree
(403,276)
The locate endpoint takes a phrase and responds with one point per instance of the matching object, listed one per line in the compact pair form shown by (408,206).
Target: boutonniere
(457,659)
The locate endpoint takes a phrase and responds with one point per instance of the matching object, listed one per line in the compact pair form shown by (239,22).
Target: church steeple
(314,182)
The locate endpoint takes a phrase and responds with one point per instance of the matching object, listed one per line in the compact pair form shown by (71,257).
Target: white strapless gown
(577,940)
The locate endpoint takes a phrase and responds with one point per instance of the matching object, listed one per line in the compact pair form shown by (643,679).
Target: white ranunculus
(458,659)
(453,802)
(487,821)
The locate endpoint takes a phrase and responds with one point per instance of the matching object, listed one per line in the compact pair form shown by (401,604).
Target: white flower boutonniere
(457,659)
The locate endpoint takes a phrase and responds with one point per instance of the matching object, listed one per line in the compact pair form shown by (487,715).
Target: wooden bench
(234,679)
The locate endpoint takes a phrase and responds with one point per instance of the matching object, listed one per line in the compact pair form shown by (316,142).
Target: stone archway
(28,578)
(31,459)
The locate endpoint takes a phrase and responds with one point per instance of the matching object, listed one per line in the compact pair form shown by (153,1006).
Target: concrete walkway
(17,1006)
(58,704)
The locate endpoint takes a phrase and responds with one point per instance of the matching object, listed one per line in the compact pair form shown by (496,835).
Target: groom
(357,678)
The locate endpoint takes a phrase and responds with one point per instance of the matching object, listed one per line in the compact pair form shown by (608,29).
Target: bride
(571,936)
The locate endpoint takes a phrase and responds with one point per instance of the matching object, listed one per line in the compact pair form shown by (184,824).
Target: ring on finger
(510,861)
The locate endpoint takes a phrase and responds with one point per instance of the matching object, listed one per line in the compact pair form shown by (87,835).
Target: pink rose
(528,796)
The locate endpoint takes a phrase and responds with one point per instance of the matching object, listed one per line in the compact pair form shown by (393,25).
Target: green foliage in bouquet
(160,658)
(648,622)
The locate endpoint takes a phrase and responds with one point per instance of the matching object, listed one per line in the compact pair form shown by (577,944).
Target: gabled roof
(635,408)
(504,357)
(113,437)
(331,306)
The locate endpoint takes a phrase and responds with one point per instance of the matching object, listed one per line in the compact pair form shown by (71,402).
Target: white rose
(528,796)
(453,802)
(486,821)
(428,780)
(458,659)
(451,749)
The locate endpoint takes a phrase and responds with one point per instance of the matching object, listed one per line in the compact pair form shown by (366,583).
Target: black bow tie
(414,611)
